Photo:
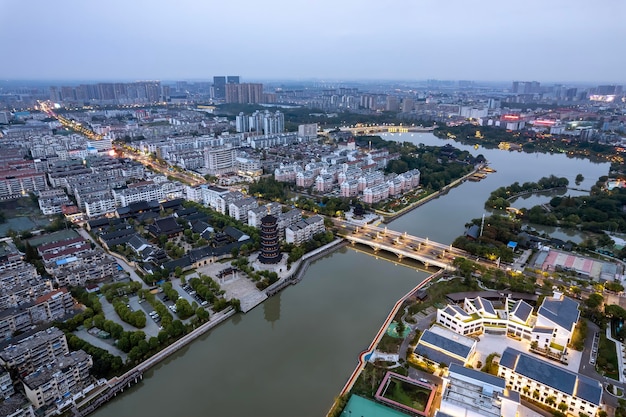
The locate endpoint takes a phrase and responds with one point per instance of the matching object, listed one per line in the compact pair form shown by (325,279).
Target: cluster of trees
(328,206)
(438,165)
(119,289)
(269,189)
(169,291)
(500,198)
(498,231)
(263,279)
(161,310)
(194,239)
(490,137)
(173,250)
(134,318)
(105,365)
(156,276)
(184,310)
(206,288)
(318,240)
(494,277)
(602,210)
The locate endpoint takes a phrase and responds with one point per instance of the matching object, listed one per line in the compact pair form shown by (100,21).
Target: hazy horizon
(319,41)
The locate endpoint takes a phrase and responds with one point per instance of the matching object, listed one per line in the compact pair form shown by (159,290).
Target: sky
(480,40)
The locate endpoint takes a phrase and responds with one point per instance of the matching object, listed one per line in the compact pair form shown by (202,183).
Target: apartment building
(32,352)
(238,209)
(304,230)
(144,191)
(66,375)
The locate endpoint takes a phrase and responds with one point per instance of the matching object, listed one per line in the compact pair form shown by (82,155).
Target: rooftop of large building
(552,375)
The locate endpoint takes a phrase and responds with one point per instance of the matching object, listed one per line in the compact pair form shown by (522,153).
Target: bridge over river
(403,245)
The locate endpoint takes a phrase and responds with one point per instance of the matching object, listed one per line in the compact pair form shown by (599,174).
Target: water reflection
(271,309)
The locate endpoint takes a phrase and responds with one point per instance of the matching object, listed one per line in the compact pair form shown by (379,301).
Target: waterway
(291,355)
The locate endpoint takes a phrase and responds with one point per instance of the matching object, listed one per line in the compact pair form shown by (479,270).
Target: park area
(20,215)
(406,393)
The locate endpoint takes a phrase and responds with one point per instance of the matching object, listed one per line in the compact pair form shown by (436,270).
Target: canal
(291,355)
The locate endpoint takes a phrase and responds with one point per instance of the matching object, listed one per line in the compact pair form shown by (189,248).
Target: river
(291,355)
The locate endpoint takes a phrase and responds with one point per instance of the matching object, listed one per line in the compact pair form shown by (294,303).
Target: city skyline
(558,41)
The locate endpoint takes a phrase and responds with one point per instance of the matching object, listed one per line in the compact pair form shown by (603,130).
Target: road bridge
(403,245)
(367,130)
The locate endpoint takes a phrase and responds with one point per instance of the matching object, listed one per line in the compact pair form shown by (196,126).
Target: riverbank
(104,392)
(117,384)
(381,332)
(388,217)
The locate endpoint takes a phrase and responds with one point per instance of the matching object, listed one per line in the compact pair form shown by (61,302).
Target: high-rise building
(219,87)
(219,160)
(273,123)
(246,93)
(270,247)
(232,79)
(242,123)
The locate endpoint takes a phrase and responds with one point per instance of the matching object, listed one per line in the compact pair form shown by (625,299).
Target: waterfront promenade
(362,357)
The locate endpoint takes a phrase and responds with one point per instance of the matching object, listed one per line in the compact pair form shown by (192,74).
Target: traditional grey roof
(553,376)
(522,310)
(138,243)
(165,226)
(478,376)
(563,312)
(236,234)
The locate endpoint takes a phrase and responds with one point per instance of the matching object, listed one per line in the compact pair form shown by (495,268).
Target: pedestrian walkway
(619,347)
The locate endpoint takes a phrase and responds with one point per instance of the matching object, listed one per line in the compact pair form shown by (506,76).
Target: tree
(579,179)
(594,301)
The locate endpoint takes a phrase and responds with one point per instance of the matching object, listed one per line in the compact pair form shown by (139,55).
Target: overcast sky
(482,40)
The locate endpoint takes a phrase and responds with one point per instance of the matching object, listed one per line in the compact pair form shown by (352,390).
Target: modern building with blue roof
(549,383)
(560,313)
(441,345)
(551,328)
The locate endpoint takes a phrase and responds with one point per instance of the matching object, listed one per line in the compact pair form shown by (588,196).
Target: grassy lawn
(410,395)
(389,344)
(607,358)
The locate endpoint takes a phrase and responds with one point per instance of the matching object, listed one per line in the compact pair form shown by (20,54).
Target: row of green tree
(135,318)
(497,232)
(490,137)
(601,210)
(316,241)
(500,198)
